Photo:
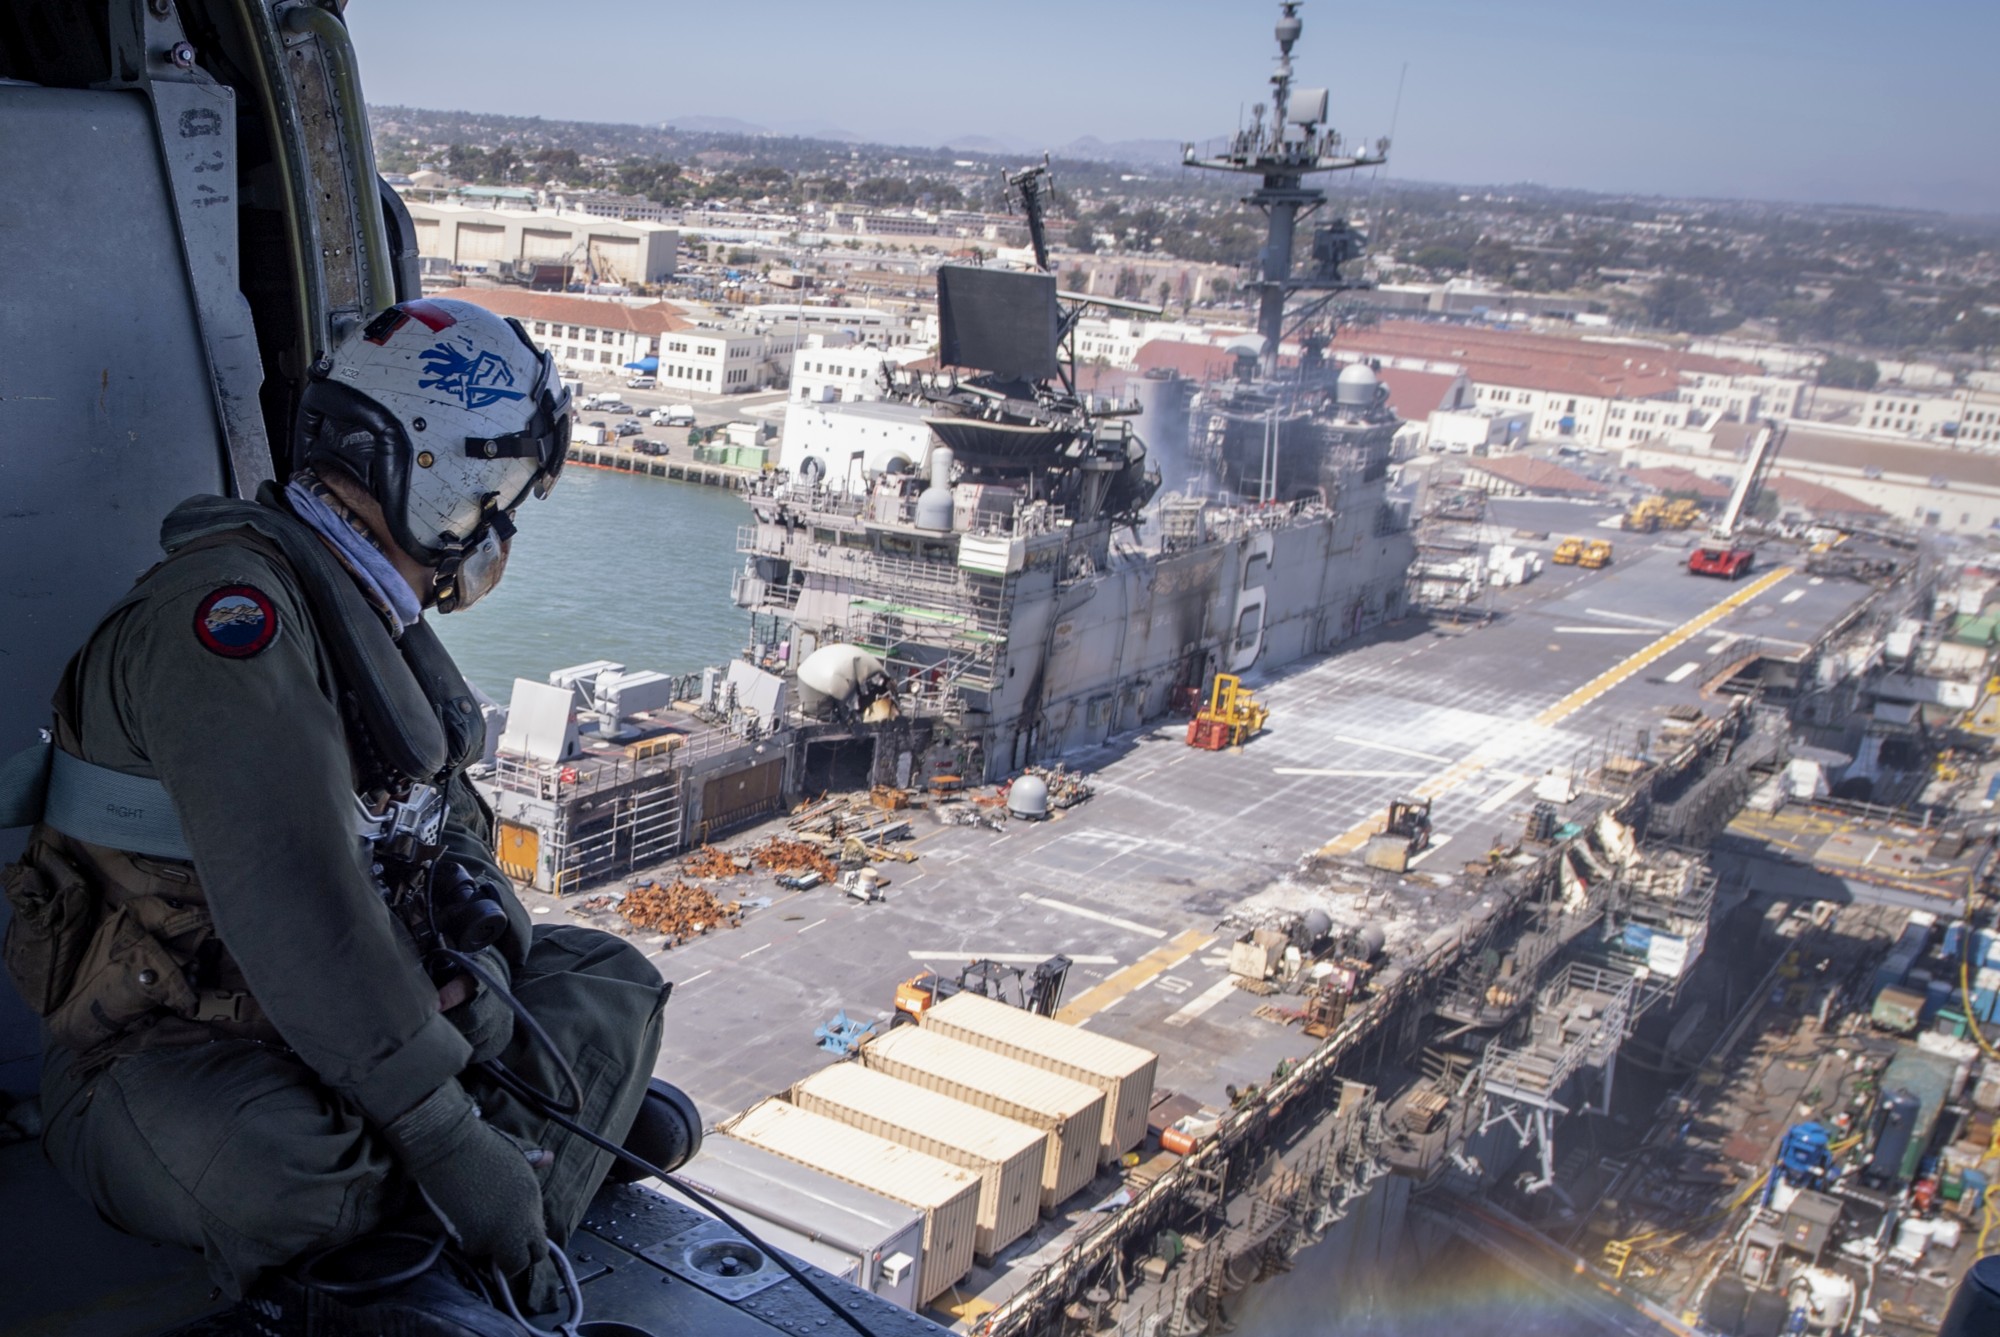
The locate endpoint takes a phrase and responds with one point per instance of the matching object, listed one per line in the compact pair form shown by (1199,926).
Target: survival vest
(114,946)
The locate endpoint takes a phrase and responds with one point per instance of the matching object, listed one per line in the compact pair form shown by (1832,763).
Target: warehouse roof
(1533,475)
(657,318)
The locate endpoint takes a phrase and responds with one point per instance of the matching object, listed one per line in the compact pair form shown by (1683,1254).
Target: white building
(828,375)
(606,335)
(1744,398)
(1116,340)
(631,208)
(1965,417)
(507,242)
(887,329)
(582,333)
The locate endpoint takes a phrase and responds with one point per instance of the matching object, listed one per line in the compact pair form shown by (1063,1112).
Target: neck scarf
(315,503)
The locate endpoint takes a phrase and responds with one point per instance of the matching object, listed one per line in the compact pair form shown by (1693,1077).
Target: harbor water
(608,566)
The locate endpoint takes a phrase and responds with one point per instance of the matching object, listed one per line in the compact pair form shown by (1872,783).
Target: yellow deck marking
(1143,971)
(1445,781)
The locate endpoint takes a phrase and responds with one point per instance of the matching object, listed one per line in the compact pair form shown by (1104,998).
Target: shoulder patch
(236,621)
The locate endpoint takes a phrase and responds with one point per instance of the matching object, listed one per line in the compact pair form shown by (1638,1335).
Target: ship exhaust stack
(934,503)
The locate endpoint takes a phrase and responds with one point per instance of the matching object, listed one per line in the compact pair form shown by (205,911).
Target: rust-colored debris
(681,910)
(794,856)
(710,862)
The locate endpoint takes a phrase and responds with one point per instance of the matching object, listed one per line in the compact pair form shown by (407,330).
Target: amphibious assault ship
(1024,584)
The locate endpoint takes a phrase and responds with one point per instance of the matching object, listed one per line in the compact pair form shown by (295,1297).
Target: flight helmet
(451,418)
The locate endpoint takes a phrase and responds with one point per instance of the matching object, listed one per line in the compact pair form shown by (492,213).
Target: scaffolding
(1582,1016)
(606,814)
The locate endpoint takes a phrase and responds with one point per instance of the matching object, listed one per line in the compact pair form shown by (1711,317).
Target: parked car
(641,383)
(644,446)
(630,427)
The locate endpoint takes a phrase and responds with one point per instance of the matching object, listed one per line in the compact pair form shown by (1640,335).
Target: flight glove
(484,1018)
(479,1180)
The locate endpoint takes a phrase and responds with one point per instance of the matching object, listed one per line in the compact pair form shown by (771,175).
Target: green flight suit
(248,1127)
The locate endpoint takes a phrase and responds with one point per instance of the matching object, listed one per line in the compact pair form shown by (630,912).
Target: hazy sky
(1893,104)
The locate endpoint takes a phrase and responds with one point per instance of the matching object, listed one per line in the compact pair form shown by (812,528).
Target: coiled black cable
(559,1112)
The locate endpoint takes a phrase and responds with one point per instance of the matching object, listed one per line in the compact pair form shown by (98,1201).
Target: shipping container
(1895,968)
(946,1195)
(855,1233)
(1007,1156)
(1123,1072)
(1069,1111)
(1898,1009)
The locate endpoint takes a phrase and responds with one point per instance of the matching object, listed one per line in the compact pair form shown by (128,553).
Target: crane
(1722,555)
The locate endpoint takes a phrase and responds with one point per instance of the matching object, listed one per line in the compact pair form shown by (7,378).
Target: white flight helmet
(450,417)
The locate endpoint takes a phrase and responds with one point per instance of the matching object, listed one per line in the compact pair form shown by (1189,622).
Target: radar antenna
(1034,185)
(1293,143)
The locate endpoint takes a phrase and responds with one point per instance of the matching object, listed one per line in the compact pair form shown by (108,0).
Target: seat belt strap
(24,785)
(91,803)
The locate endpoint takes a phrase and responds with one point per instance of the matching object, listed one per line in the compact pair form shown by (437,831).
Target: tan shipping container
(1123,1072)
(946,1195)
(1069,1111)
(1007,1156)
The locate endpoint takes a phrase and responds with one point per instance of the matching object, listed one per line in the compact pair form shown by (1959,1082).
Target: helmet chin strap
(469,574)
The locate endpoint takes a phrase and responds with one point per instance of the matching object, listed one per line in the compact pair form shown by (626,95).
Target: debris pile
(851,815)
(710,862)
(794,856)
(680,910)
(1066,789)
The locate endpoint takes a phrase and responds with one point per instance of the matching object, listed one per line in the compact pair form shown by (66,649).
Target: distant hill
(1143,152)
(714,125)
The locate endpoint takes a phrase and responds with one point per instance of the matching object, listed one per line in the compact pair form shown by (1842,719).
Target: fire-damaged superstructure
(1026,584)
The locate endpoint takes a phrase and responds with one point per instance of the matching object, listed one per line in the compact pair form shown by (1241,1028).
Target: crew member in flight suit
(246,1051)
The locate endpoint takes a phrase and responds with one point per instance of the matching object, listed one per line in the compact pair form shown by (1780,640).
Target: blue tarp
(645,364)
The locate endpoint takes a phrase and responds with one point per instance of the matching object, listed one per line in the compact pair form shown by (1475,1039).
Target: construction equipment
(1038,991)
(1647,514)
(1231,717)
(1722,555)
(1805,1161)
(863,884)
(843,1035)
(1596,555)
(1568,552)
(1406,834)
(1681,513)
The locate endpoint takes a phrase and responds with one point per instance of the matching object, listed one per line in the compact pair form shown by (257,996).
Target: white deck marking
(1685,671)
(815,924)
(1605,631)
(1793,597)
(1203,1001)
(1102,918)
(1627,617)
(1500,799)
(753,951)
(1352,741)
(1369,775)
(1433,848)
(682,984)
(1011,958)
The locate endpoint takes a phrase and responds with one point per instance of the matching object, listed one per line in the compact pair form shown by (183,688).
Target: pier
(679,464)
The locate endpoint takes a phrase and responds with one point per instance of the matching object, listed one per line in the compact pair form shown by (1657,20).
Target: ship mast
(1294,143)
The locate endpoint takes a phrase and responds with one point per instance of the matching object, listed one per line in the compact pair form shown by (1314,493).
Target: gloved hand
(478,1179)
(483,1016)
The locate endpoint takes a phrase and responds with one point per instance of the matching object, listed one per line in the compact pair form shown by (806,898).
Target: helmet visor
(544,440)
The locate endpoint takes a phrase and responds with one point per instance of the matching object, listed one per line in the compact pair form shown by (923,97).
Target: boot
(440,1301)
(667,1133)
